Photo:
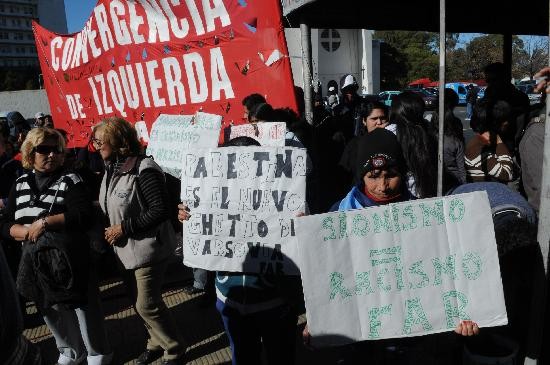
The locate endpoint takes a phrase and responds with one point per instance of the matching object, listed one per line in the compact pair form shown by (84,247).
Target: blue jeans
(469,110)
(274,328)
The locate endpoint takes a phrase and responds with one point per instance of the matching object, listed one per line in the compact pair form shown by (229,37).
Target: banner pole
(306,71)
(543,235)
(442,49)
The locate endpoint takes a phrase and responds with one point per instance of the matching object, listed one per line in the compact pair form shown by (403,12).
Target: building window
(30,37)
(330,40)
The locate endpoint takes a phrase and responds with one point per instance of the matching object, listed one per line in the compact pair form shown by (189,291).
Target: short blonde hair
(35,138)
(120,135)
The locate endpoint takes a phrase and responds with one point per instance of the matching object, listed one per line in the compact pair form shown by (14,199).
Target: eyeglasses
(97,143)
(46,150)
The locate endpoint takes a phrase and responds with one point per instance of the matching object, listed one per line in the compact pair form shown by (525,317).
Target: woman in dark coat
(45,204)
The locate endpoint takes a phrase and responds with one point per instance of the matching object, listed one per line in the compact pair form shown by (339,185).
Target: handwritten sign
(268,134)
(400,270)
(173,135)
(243,202)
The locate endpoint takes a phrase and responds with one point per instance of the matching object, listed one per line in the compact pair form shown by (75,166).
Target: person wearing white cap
(39,119)
(347,110)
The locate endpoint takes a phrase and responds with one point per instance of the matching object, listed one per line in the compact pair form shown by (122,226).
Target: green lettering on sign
(435,212)
(389,255)
(374,320)
(393,255)
(329,225)
(457,210)
(414,314)
(418,269)
(382,222)
(380,280)
(362,283)
(408,211)
(449,268)
(452,311)
(360,226)
(343,225)
(337,286)
(471,266)
(395,214)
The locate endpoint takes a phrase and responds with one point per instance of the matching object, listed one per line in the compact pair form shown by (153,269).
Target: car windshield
(426,92)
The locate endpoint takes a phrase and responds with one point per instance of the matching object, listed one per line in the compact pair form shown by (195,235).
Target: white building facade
(335,53)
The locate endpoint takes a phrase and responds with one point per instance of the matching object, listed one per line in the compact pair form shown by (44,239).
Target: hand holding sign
(400,270)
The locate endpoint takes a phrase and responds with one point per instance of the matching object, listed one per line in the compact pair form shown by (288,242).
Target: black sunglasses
(46,150)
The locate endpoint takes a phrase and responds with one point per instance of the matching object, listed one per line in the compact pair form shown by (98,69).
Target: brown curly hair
(120,135)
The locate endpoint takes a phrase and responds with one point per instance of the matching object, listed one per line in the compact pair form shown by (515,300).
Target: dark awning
(462,16)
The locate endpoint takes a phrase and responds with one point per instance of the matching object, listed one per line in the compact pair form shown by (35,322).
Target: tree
(532,57)
(487,49)
(19,79)
(417,50)
(393,68)
(456,68)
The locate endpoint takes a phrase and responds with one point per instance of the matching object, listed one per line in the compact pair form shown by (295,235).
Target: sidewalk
(201,327)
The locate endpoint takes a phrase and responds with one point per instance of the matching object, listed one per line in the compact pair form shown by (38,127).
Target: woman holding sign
(133,197)
(258,310)
(382,170)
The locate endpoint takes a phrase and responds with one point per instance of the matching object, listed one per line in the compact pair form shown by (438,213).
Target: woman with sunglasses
(45,203)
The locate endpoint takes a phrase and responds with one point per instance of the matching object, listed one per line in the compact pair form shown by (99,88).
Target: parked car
(372,97)
(528,88)
(430,101)
(481,92)
(433,90)
(460,89)
(387,96)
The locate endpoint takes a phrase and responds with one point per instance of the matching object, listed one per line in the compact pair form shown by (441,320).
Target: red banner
(139,58)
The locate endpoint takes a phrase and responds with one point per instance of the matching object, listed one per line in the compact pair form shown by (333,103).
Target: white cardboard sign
(243,202)
(172,135)
(400,270)
(268,134)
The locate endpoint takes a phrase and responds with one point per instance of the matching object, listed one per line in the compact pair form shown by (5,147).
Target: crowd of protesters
(111,198)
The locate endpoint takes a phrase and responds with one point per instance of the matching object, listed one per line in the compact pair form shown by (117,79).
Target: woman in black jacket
(46,203)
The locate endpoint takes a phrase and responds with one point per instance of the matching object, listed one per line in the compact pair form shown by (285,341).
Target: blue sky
(78,12)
